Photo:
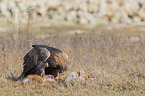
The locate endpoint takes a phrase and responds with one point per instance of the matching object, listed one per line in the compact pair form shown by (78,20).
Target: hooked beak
(62,71)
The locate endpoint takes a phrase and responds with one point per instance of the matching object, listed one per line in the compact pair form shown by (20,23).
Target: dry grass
(117,61)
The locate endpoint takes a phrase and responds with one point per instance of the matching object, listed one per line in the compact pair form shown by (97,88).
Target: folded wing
(35,61)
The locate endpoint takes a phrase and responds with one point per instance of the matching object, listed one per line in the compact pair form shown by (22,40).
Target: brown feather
(34,61)
(39,56)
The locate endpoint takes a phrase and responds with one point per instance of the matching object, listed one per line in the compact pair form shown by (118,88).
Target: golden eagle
(43,60)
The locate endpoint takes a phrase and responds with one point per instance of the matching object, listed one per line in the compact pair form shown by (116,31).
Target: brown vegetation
(115,57)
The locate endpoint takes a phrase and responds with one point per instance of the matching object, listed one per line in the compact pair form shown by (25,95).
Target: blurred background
(90,12)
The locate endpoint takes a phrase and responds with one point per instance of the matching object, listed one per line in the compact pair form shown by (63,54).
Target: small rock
(136,19)
(77,32)
(126,20)
(43,36)
(134,39)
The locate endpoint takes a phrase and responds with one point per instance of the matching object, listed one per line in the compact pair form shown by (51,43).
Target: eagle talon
(45,81)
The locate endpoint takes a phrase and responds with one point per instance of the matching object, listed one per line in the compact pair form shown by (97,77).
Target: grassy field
(115,56)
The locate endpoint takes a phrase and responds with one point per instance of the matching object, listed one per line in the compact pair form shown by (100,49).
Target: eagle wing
(35,61)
